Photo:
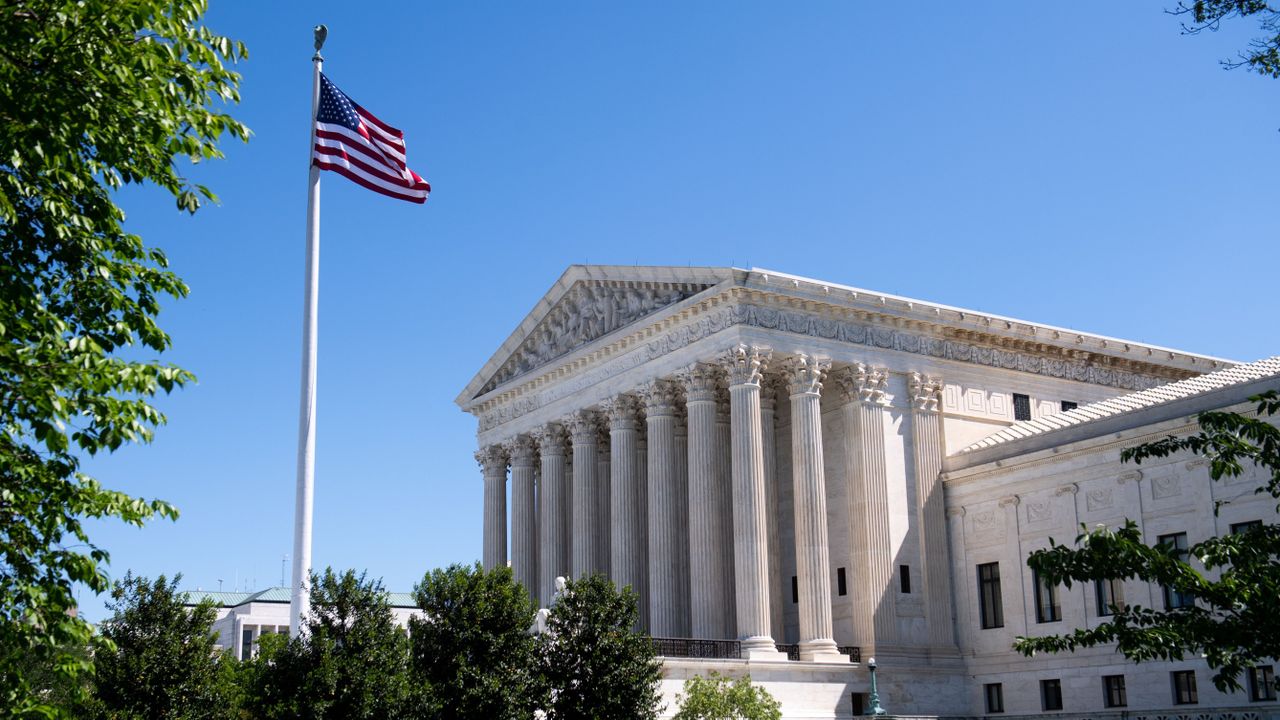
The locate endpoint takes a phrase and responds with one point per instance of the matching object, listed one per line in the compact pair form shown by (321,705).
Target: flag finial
(322,32)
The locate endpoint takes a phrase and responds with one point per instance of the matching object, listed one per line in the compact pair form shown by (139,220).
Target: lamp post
(876,709)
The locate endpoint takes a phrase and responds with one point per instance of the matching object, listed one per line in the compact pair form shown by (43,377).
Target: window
(1237,528)
(1184,687)
(795,590)
(1021,407)
(1051,694)
(990,604)
(1110,595)
(1047,609)
(1262,683)
(246,643)
(904,579)
(859,702)
(1067,405)
(841,587)
(1113,691)
(1174,599)
(994,693)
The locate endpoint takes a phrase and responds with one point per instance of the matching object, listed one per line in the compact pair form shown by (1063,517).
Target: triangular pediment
(586,304)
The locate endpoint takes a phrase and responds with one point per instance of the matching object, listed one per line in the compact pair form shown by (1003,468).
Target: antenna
(219,584)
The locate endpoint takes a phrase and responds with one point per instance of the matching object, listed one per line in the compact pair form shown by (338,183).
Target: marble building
(795,475)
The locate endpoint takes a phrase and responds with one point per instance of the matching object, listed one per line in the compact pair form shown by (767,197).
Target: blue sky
(1077,164)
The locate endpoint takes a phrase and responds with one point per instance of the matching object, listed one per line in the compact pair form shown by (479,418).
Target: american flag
(352,142)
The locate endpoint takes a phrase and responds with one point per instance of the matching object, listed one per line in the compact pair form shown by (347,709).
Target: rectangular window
(1067,405)
(1184,687)
(1047,609)
(1110,595)
(994,694)
(1174,599)
(1262,683)
(795,590)
(840,582)
(904,579)
(859,703)
(990,604)
(1113,691)
(1021,407)
(1237,528)
(1051,694)
(246,643)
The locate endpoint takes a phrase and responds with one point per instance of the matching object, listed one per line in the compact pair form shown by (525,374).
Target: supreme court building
(796,476)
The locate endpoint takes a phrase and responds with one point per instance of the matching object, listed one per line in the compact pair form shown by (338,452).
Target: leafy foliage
(1263,53)
(592,658)
(472,653)
(94,94)
(164,663)
(1235,621)
(716,697)
(350,663)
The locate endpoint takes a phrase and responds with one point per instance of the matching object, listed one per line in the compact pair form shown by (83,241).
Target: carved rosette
(925,391)
(700,382)
(805,373)
(522,451)
(864,383)
(622,412)
(551,439)
(745,364)
(584,426)
(659,397)
(493,460)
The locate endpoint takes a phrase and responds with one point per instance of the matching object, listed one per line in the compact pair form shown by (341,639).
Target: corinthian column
(642,475)
(708,578)
(553,556)
(524,518)
(665,619)
(602,535)
(926,435)
(626,510)
(724,509)
(768,432)
(750,521)
(493,462)
(874,620)
(813,563)
(584,429)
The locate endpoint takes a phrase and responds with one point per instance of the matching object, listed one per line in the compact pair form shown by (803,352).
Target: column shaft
(584,429)
(664,515)
(553,556)
(627,566)
(926,434)
(724,515)
(604,483)
(524,519)
(493,461)
(706,580)
(769,433)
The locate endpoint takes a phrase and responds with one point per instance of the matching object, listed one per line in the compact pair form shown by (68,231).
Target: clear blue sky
(1073,163)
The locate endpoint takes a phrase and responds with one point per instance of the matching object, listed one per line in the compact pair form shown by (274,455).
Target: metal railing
(697,648)
(793,651)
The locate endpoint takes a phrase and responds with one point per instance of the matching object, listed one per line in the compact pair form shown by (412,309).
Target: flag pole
(300,595)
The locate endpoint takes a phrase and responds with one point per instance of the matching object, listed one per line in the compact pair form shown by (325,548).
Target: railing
(1248,713)
(793,651)
(697,648)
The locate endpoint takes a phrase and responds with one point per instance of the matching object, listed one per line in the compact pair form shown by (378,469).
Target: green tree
(351,661)
(592,660)
(165,663)
(94,94)
(1235,620)
(716,697)
(472,652)
(1262,55)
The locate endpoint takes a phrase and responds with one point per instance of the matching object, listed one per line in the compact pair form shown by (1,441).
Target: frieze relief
(800,323)
(1099,499)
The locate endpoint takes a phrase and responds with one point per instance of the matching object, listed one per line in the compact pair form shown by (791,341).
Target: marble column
(926,436)
(874,614)
(584,429)
(707,576)
(681,433)
(493,462)
(603,535)
(750,519)
(813,564)
(724,509)
(524,518)
(664,513)
(626,512)
(769,433)
(553,530)
(642,475)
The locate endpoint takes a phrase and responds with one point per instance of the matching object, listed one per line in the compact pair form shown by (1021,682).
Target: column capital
(550,438)
(493,459)
(746,364)
(522,451)
(659,397)
(864,383)
(583,426)
(699,381)
(805,373)
(621,411)
(926,392)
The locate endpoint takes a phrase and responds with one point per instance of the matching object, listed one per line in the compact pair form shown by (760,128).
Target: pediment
(586,304)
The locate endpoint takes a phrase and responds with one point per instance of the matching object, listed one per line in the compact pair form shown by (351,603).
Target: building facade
(761,458)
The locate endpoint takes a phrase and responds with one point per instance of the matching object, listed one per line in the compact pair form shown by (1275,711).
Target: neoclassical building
(795,476)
